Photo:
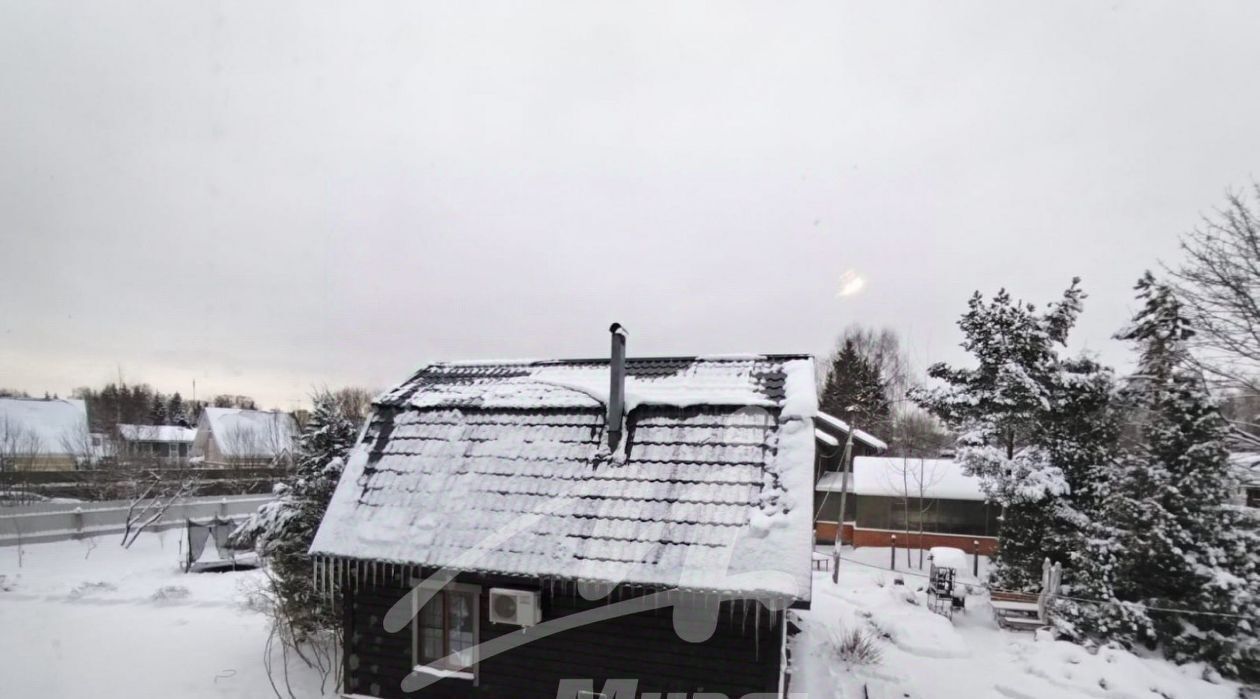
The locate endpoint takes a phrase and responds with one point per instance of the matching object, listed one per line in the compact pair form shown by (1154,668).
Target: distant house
(166,443)
(102,447)
(43,434)
(884,491)
(233,437)
(586,513)
(832,434)
(1247,468)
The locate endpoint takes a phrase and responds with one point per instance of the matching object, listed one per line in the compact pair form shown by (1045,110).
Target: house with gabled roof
(48,434)
(913,502)
(166,444)
(235,437)
(1246,467)
(838,442)
(539,528)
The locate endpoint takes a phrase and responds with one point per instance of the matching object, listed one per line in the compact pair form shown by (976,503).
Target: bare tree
(918,437)
(1219,283)
(86,449)
(1243,411)
(20,446)
(156,489)
(20,450)
(355,402)
(100,474)
(918,434)
(882,348)
(911,478)
(150,482)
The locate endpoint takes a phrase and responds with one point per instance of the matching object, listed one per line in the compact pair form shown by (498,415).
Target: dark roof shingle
(502,468)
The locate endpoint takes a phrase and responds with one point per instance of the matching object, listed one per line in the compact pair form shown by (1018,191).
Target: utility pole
(845,465)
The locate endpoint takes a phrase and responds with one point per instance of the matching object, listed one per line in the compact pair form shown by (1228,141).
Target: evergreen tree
(194,408)
(1033,427)
(855,390)
(157,411)
(1170,537)
(282,531)
(175,413)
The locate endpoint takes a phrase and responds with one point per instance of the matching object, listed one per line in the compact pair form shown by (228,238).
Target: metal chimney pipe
(617,386)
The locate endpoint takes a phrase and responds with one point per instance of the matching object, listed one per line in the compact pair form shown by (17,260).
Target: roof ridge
(605,360)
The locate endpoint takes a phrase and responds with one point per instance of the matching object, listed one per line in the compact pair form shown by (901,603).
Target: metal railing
(44,522)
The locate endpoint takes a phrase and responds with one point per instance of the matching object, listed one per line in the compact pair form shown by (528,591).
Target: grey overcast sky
(266,197)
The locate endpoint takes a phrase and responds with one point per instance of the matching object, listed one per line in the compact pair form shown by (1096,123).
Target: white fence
(41,522)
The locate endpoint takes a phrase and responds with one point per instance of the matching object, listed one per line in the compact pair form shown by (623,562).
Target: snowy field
(91,619)
(84,620)
(925,655)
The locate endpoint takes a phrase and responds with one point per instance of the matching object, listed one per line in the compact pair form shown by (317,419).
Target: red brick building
(897,497)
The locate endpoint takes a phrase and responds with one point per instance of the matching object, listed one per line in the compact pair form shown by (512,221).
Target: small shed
(503,527)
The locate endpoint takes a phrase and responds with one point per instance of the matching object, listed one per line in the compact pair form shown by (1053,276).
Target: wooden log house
(503,527)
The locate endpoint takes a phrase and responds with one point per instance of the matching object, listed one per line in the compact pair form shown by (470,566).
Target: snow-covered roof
(891,476)
(831,482)
(937,478)
(156,433)
(840,428)
(949,557)
(679,382)
(504,468)
(1247,465)
(250,433)
(56,426)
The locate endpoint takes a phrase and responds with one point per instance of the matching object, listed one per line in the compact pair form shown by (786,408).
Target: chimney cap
(618,329)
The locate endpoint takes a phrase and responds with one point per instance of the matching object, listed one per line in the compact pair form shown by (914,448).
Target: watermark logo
(628,689)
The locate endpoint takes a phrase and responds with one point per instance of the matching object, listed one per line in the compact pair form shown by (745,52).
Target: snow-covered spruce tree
(1176,541)
(282,530)
(855,390)
(175,413)
(157,410)
(1031,426)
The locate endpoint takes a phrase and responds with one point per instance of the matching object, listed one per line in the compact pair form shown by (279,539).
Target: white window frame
(418,665)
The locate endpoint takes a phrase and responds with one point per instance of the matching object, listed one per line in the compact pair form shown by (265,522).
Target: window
(447,626)
(827,505)
(966,517)
(1253,497)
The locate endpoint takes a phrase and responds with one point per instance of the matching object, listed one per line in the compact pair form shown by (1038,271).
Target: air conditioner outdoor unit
(516,607)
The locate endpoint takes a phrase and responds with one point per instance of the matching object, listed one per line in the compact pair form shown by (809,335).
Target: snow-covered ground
(926,656)
(91,619)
